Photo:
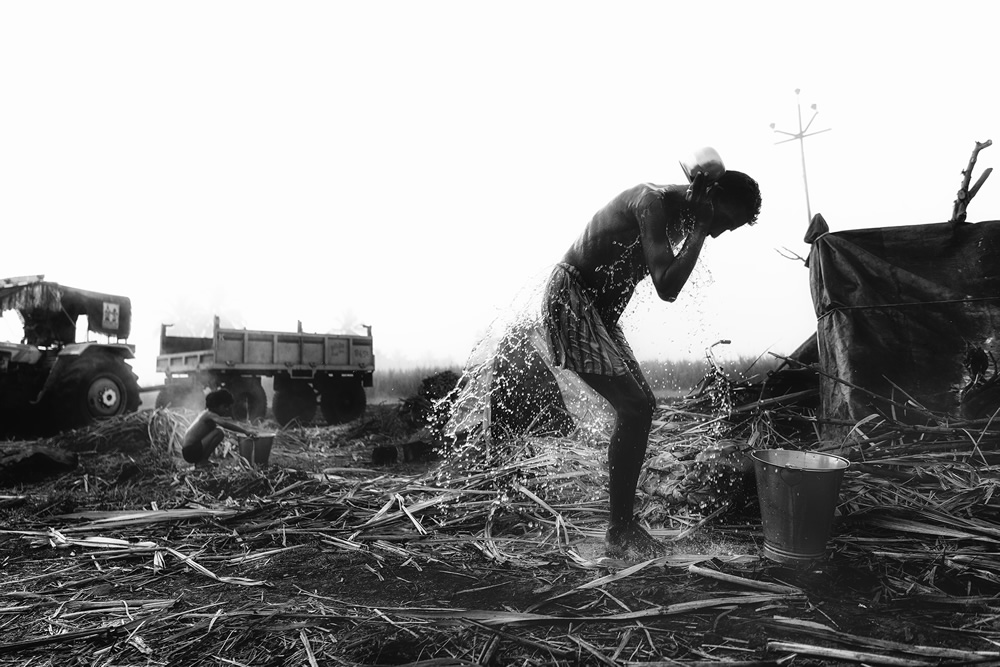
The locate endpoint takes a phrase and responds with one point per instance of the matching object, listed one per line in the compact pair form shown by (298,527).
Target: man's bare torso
(610,253)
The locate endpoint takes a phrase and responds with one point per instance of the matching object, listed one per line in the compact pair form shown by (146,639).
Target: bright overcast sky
(412,165)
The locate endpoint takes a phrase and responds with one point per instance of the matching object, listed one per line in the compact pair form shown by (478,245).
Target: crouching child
(208,429)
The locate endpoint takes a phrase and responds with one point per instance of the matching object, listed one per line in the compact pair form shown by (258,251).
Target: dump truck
(308,369)
(50,381)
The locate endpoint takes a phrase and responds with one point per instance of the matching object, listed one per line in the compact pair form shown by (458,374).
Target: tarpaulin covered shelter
(50,311)
(907,322)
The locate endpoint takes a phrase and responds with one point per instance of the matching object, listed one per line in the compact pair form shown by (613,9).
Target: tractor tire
(249,400)
(295,402)
(343,401)
(94,387)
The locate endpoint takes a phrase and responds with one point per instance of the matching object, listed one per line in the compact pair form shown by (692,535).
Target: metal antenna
(801,135)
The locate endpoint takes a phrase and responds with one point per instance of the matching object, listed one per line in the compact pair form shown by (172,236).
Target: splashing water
(677,330)
(510,388)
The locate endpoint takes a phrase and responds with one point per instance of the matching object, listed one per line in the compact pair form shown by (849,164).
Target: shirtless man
(632,237)
(207,431)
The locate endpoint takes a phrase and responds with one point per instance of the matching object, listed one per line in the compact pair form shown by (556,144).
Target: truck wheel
(295,402)
(342,402)
(250,403)
(249,400)
(94,387)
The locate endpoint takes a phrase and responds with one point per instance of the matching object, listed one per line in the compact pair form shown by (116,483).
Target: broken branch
(965,194)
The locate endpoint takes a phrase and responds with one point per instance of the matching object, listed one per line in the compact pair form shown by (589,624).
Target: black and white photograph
(462,334)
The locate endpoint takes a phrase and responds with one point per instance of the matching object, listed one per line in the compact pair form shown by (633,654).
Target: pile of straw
(210,568)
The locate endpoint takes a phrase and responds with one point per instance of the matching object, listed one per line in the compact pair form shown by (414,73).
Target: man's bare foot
(631,542)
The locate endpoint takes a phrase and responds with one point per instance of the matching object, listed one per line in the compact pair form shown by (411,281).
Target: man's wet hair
(219,398)
(738,187)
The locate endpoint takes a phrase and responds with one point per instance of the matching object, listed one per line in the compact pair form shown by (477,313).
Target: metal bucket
(704,161)
(256,449)
(798,493)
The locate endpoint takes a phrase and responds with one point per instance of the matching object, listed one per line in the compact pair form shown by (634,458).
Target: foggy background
(413,165)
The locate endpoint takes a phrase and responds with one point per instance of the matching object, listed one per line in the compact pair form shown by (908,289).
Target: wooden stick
(979,182)
(917,650)
(869,392)
(965,195)
(749,583)
(850,656)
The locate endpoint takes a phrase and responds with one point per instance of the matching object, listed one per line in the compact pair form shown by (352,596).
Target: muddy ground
(136,559)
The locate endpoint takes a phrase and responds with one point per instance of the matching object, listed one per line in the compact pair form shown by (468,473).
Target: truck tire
(343,401)
(249,399)
(294,402)
(93,387)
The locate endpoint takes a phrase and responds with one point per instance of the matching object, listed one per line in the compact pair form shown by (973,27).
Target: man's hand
(701,187)
(701,197)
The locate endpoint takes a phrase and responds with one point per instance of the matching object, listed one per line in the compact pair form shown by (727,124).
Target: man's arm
(230,426)
(668,271)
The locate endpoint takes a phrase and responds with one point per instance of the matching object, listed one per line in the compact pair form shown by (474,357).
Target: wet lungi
(581,340)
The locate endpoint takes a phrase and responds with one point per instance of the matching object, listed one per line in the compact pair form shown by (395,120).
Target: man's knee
(629,399)
(636,408)
(213,439)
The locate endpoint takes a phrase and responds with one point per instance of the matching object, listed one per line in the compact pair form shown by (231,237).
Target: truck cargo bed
(266,352)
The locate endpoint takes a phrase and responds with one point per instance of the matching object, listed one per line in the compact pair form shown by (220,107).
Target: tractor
(49,380)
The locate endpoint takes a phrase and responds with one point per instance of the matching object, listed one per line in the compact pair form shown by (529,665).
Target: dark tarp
(908,314)
(50,311)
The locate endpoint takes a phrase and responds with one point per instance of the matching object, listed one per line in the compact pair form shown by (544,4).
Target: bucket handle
(791,476)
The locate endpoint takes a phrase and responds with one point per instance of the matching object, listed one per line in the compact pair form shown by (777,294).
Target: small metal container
(256,449)
(704,161)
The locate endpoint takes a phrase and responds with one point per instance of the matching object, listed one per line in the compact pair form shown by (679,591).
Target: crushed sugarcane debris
(496,557)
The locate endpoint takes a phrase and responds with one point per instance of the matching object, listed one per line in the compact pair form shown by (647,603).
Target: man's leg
(633,403)
(211,441)
(200,454)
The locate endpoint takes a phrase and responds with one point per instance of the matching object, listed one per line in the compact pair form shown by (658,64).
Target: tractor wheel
(295,402)
(249,400)
(343,401)
(94,387)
